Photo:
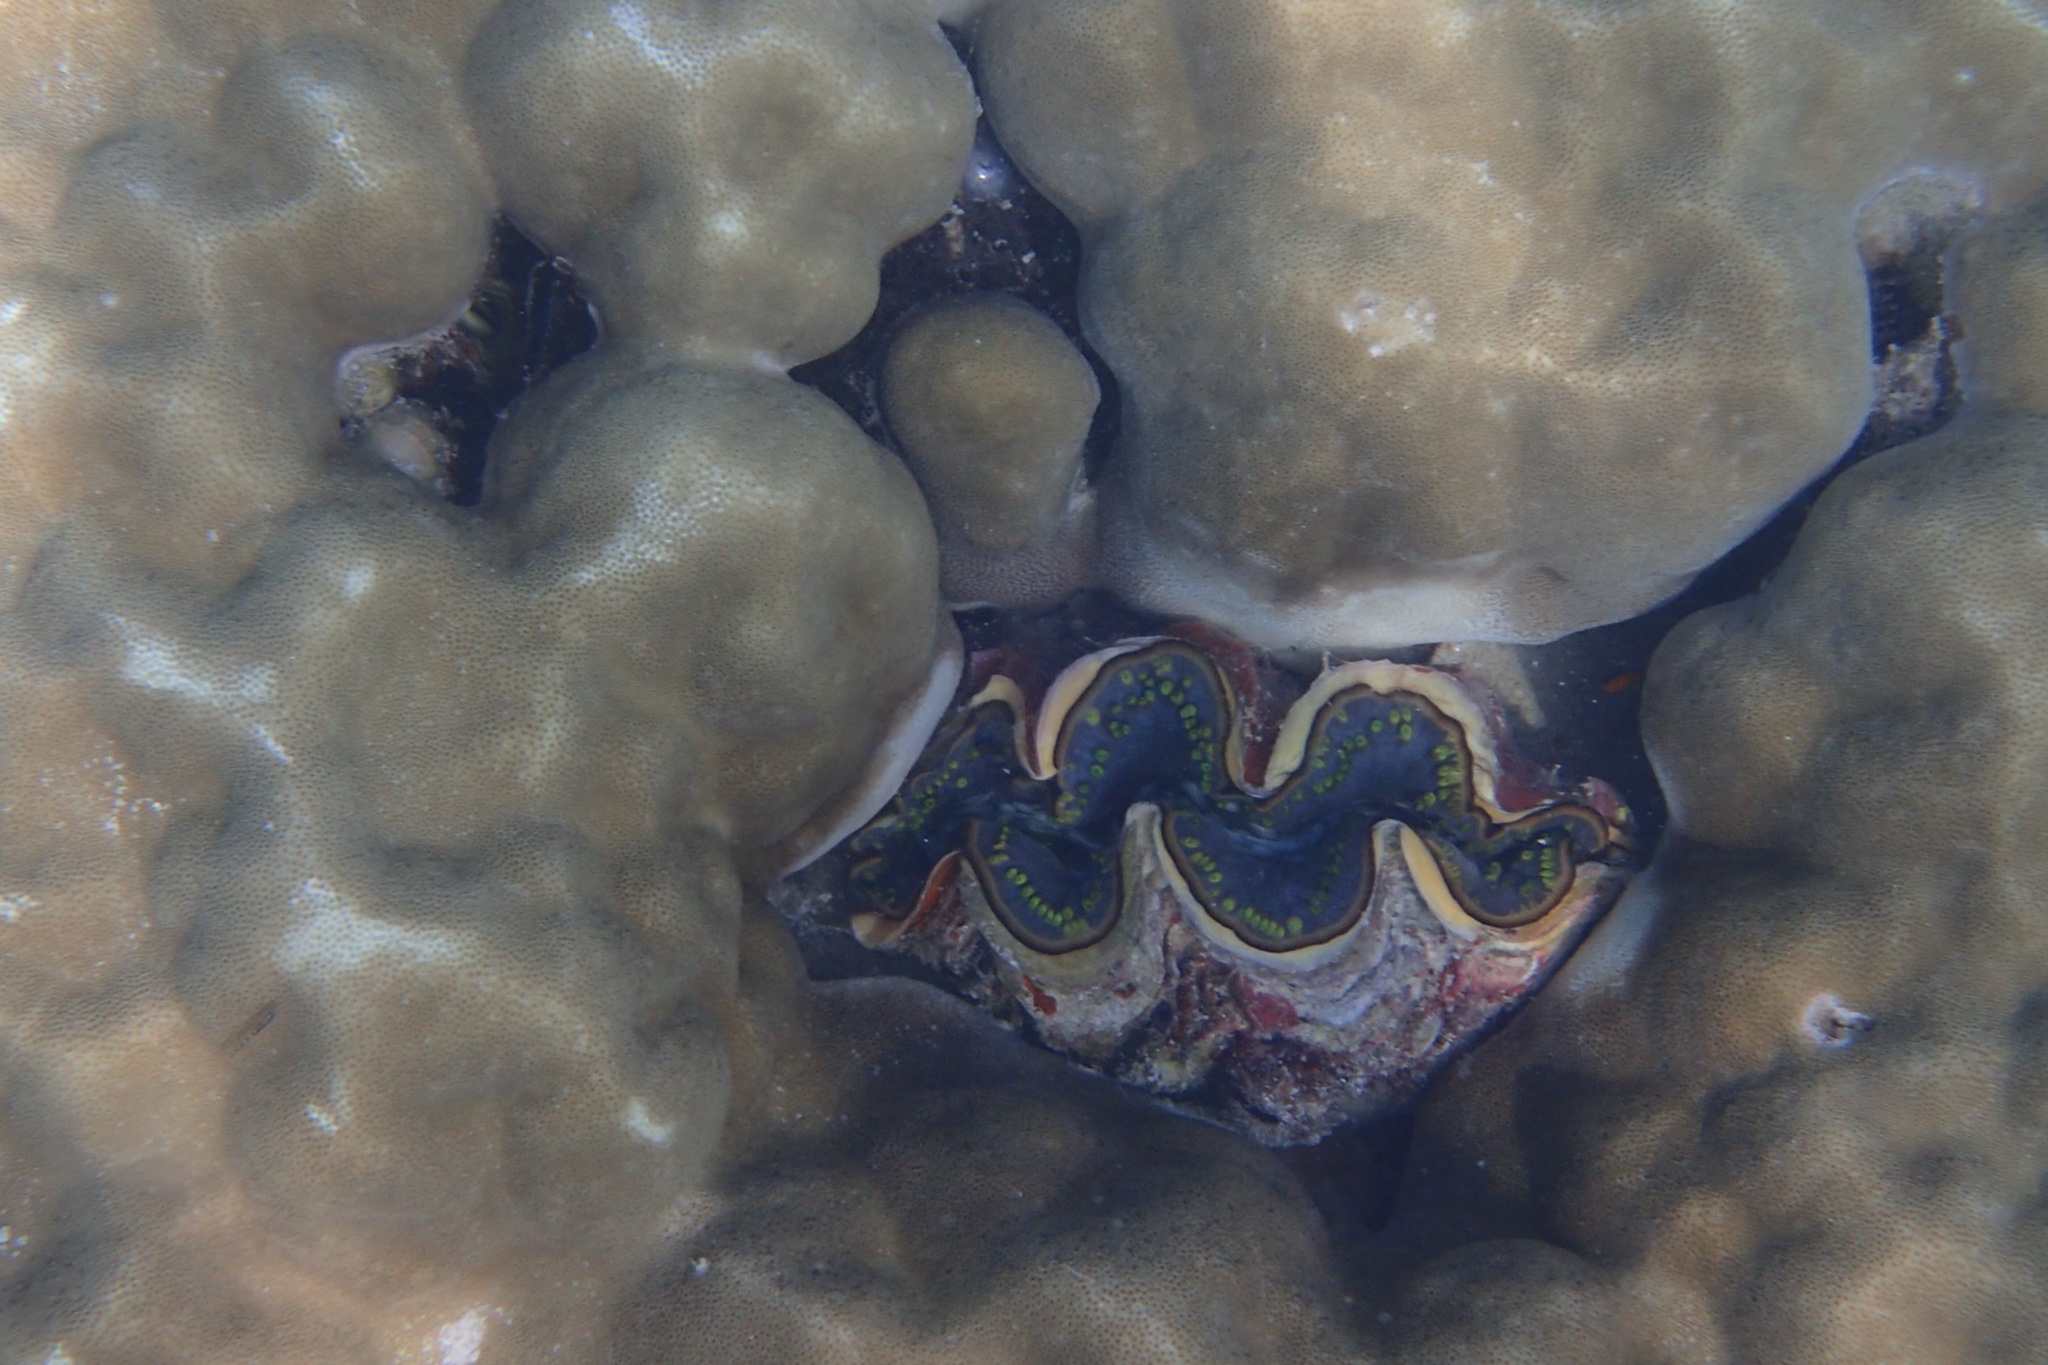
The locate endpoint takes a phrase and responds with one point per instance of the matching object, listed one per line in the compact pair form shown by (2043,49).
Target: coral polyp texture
(387,969)
(991,404)
(1788,1101)
(725,175)
(1292,922)
(1553,302)
(373,866)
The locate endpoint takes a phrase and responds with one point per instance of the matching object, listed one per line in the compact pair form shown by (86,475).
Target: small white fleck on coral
(642,1124)
(462,1341)
(1385,325)
(330,933)
(1830,1023)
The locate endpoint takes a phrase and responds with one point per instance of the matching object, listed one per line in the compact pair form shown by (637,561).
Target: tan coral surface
(991,404)
(1787,1103)
(1448,321)
(369,868)
(724,175)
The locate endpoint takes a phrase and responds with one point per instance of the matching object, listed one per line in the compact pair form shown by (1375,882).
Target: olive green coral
(991,404)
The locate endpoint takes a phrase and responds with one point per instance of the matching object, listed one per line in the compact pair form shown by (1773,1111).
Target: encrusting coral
(384,973)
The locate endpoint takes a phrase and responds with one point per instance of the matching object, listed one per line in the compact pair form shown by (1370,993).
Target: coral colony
(523,836)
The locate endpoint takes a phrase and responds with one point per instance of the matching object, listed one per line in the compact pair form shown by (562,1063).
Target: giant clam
(1287,921)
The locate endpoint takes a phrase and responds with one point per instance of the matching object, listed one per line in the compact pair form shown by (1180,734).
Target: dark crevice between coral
(1905,294)
(527,317)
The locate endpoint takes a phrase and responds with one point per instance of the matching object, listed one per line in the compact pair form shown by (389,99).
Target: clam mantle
(1290,921)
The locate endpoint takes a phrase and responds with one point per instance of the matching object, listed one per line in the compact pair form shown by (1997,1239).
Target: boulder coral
(372,867)
(1787,1103)
(1445,321)
(384,966)
(171,334)
(991,404)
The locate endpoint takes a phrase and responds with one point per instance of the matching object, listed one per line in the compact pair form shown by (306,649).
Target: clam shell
(1289,995)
